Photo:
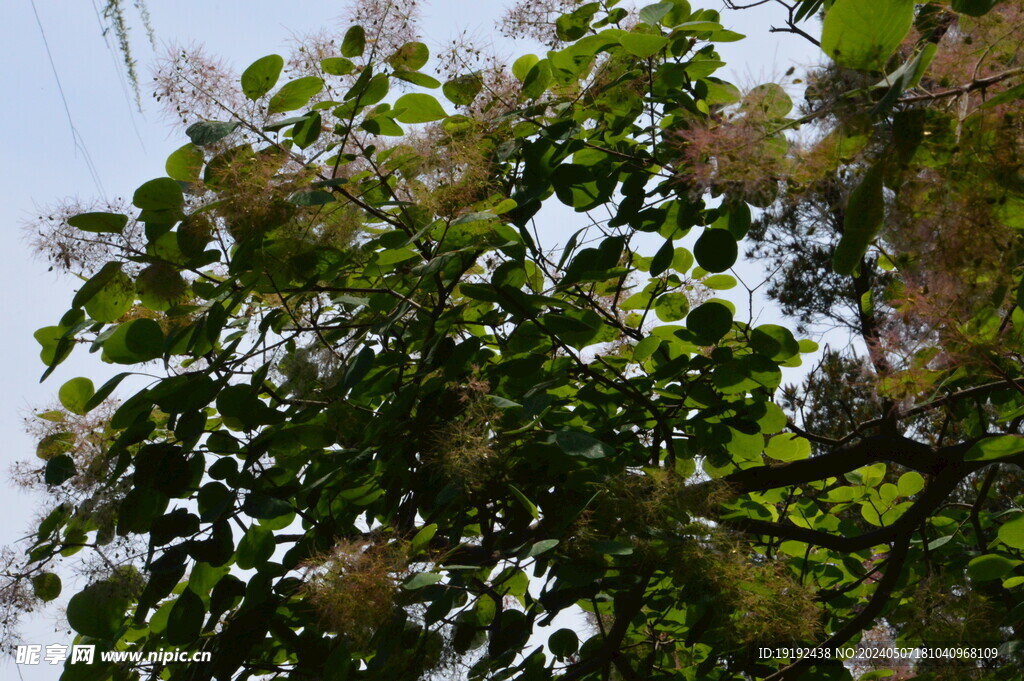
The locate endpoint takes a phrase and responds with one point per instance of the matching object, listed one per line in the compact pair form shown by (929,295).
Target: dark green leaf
(864,216)
(162,193)
(46,586)
(716,250)
(59,469)
(709,322)
(208,132)
(354,42)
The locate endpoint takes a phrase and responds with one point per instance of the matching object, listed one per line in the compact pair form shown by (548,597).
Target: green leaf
(185,621)
(662,259)
(577,443)
(185,163)
(422,579)
(642,45)
(46,586)
(208,132)
(255,548)
(59,469)
(865,213)
(107,295)
(102,223)
(261,76)
(295,94)
(135,341)
(709,322)
(162,193)
(537,80)
(461,91)
(1011,532)
(417,107)
(354,42)
(98,610)
(75,394)
(990,566)
(788,447)
(993,448)
(910,483)
(410,57)
(525,502)
(522,66)
(422,538)
(308,130)
(564,642)
(417,78)
(863,35)
(645,348)
(653,14)
(716,250)
(974,8)
(774,342)
(317,197)
(672,307)
(337,66)
(263,506)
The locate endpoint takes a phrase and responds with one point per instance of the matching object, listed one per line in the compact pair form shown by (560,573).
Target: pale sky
(41,165)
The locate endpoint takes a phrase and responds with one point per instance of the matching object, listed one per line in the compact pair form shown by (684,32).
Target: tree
(395,432)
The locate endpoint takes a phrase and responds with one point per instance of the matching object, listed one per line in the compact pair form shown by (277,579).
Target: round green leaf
(59,469)
(709,322)
(138,340)
(672,307)
(463,90)
(255,548)
(990,566)
(862,35)
(768,100)
(261,76)
(98,610)
(163,193)
(563,643)
(75,394)
(788,447)
(774,342)
(1011,532)
(417,107)
(410,57)
(108,295)
(185,163)
(910,483)
(46,586)
(716,250)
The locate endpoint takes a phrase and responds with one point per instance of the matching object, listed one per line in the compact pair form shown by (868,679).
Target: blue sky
(41,164)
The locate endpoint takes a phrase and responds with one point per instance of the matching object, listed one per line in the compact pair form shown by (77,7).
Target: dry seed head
(352,588)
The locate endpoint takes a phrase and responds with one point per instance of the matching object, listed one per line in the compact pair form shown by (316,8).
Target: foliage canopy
(397,432)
